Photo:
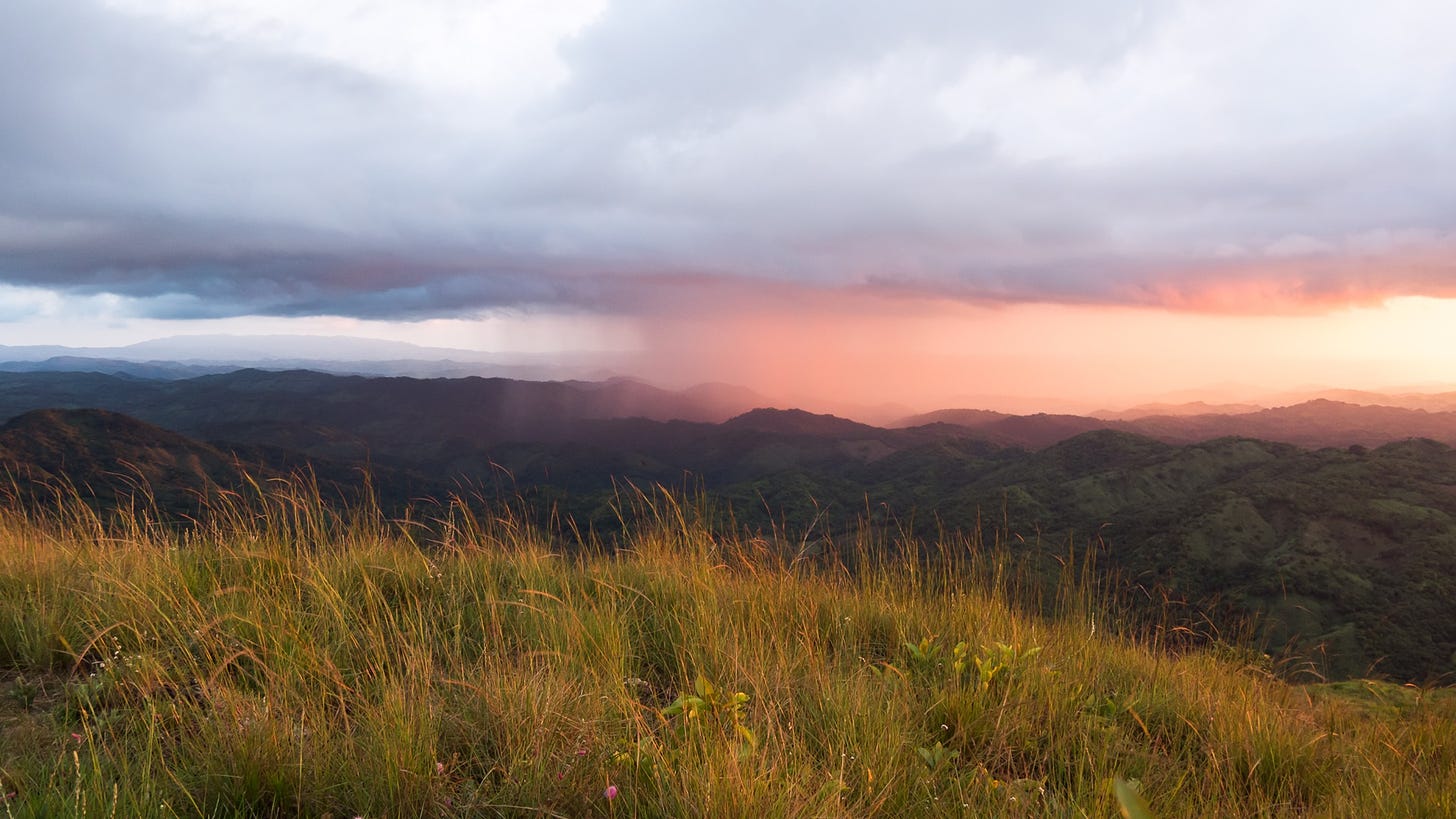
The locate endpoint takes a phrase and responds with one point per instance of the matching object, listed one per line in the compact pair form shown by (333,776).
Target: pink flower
(439,768)
(610,792)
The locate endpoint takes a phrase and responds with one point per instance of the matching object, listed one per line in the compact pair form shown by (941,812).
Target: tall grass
(280,657)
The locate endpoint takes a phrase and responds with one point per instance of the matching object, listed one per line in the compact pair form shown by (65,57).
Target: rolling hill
(108,456)
(1334,523)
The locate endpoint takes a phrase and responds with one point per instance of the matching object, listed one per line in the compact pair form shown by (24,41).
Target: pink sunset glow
(847,351)
(870,206)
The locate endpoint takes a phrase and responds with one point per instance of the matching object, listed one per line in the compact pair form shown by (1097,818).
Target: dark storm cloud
(968,150)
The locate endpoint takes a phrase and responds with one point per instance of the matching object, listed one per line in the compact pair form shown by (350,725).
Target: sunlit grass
(279,658)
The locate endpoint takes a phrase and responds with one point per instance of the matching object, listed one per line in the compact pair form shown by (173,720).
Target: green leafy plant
(960,657)
(1000,660)
(710,705)
(936,755)
(924,657)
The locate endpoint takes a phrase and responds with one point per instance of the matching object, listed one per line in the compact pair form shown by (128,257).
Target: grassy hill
(1347,556)
(284,659)
(110,456)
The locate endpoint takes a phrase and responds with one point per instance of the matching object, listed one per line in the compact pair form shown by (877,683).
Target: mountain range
(1333,523)
(385,412)
(187,356)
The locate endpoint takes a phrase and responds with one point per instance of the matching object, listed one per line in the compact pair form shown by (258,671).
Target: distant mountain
(1030,431)
(1430,402)
(1037,431)
(418,423)
(969,418)
(1316,423)
(1175,410)
(1313,423)
(214,349)
(384,414)
(799,422)
(163,369)
(114,366)
(631,398)
(731,397)
(336,354)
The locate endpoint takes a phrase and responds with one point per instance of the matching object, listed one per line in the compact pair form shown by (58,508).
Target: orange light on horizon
(943,353)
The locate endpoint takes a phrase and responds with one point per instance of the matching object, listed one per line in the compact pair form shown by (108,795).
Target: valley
(1329,526)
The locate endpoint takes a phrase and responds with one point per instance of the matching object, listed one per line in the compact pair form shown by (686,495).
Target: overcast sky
(370,163)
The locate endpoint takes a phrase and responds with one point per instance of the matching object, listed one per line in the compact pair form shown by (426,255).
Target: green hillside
(1344,556)
(110,457)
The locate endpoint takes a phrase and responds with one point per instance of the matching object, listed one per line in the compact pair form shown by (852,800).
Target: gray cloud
(1088,152)
(690,66)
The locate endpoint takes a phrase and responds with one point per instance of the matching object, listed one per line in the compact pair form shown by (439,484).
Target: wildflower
(610,792)
(440,768)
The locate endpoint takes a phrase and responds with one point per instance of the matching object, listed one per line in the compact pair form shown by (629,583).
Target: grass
(279,658)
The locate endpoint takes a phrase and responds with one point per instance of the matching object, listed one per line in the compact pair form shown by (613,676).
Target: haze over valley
(1226,505)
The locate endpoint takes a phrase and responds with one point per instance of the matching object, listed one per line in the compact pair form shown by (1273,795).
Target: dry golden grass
(280,658)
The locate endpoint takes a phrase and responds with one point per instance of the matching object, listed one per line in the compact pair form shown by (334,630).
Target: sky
(1085,201)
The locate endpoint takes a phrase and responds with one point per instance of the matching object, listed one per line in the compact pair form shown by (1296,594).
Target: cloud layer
(444,158)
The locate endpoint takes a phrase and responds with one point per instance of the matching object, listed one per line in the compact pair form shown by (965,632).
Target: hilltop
(1342,555)
(290,659)
(108,456)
